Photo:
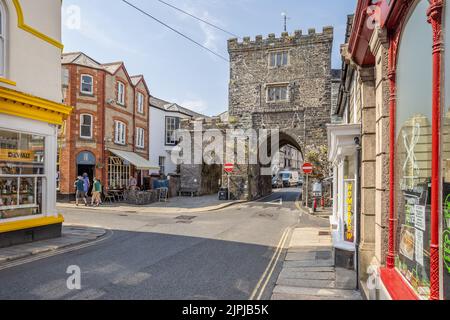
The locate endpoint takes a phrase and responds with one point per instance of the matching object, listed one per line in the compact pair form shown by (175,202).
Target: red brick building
(107,134)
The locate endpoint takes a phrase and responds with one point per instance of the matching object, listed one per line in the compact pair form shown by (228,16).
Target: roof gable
(81,59)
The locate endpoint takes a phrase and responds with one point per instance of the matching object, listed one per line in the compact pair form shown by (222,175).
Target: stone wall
(301,117)
(308,77)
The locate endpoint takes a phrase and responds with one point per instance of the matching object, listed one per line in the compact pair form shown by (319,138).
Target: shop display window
(413,151)
(21,174)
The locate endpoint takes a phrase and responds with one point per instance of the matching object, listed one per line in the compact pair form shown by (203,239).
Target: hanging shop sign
(13,155)
(349,231)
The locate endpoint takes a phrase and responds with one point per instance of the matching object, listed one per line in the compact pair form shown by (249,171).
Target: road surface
(228,254)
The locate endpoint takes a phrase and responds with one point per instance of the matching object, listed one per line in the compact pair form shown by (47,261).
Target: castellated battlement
(285,39)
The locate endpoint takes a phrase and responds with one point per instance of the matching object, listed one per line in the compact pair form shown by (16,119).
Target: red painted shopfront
(418,260)
(417,170)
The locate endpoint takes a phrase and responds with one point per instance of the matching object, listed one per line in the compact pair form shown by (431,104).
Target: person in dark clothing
(80,193)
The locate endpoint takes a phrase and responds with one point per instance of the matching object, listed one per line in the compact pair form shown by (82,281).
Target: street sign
(307,168)
(228,167)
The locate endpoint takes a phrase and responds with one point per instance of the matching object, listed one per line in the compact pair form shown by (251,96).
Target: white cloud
(211,36)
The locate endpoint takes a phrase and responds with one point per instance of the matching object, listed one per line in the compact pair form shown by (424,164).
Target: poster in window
(413,260)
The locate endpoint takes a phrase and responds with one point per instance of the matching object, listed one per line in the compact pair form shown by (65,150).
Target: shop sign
(14,155)
(349,214)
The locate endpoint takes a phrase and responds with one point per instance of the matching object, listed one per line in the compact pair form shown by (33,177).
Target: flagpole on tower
(285,18)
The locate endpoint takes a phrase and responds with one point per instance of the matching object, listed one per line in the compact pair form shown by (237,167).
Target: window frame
(120,138)
(91,131)
(140,138)
(140,102)
(4,37)
(277,53)
(162,165)
(277,86)
(92,84)
(121,97)
(176,126)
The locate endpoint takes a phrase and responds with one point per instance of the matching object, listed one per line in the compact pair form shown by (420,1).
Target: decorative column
(390,259)
(435,18)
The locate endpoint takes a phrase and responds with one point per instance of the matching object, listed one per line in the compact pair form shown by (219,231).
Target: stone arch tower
(298,64)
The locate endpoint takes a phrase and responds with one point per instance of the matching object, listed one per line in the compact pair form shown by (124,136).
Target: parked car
(277,182)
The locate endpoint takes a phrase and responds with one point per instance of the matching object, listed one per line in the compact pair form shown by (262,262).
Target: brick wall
(104,111)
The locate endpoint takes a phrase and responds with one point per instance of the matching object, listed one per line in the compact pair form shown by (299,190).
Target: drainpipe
(358,207)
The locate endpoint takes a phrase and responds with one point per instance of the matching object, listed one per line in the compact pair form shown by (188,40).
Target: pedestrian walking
(96,193)
(133,183)
(80,193)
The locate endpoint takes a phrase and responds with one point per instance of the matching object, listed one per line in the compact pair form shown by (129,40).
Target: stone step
(302,297)
(319,248)
(345,279)
(312,255)
(306,283)
(311,269)
(293,273)
(317,292)
(309,263)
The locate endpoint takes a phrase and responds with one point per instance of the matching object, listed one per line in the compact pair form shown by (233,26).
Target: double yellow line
(264,280)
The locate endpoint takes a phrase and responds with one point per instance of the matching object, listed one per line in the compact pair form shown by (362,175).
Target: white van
(290,178)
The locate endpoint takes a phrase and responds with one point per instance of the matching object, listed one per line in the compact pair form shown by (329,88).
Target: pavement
(231,254)
(71,236)
(308,272)
(173,205)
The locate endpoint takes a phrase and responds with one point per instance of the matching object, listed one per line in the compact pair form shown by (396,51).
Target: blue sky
(175,69)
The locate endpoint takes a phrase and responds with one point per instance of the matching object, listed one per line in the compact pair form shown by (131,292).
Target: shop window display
(413,151)
(21,174)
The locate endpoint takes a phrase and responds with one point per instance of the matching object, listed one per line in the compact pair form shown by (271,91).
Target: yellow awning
(135,159)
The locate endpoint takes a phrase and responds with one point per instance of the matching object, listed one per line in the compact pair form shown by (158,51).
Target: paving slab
(309,263)
(318,292)
(310,269)
(309,273)
(71,236)
(306,283)
(293,273)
